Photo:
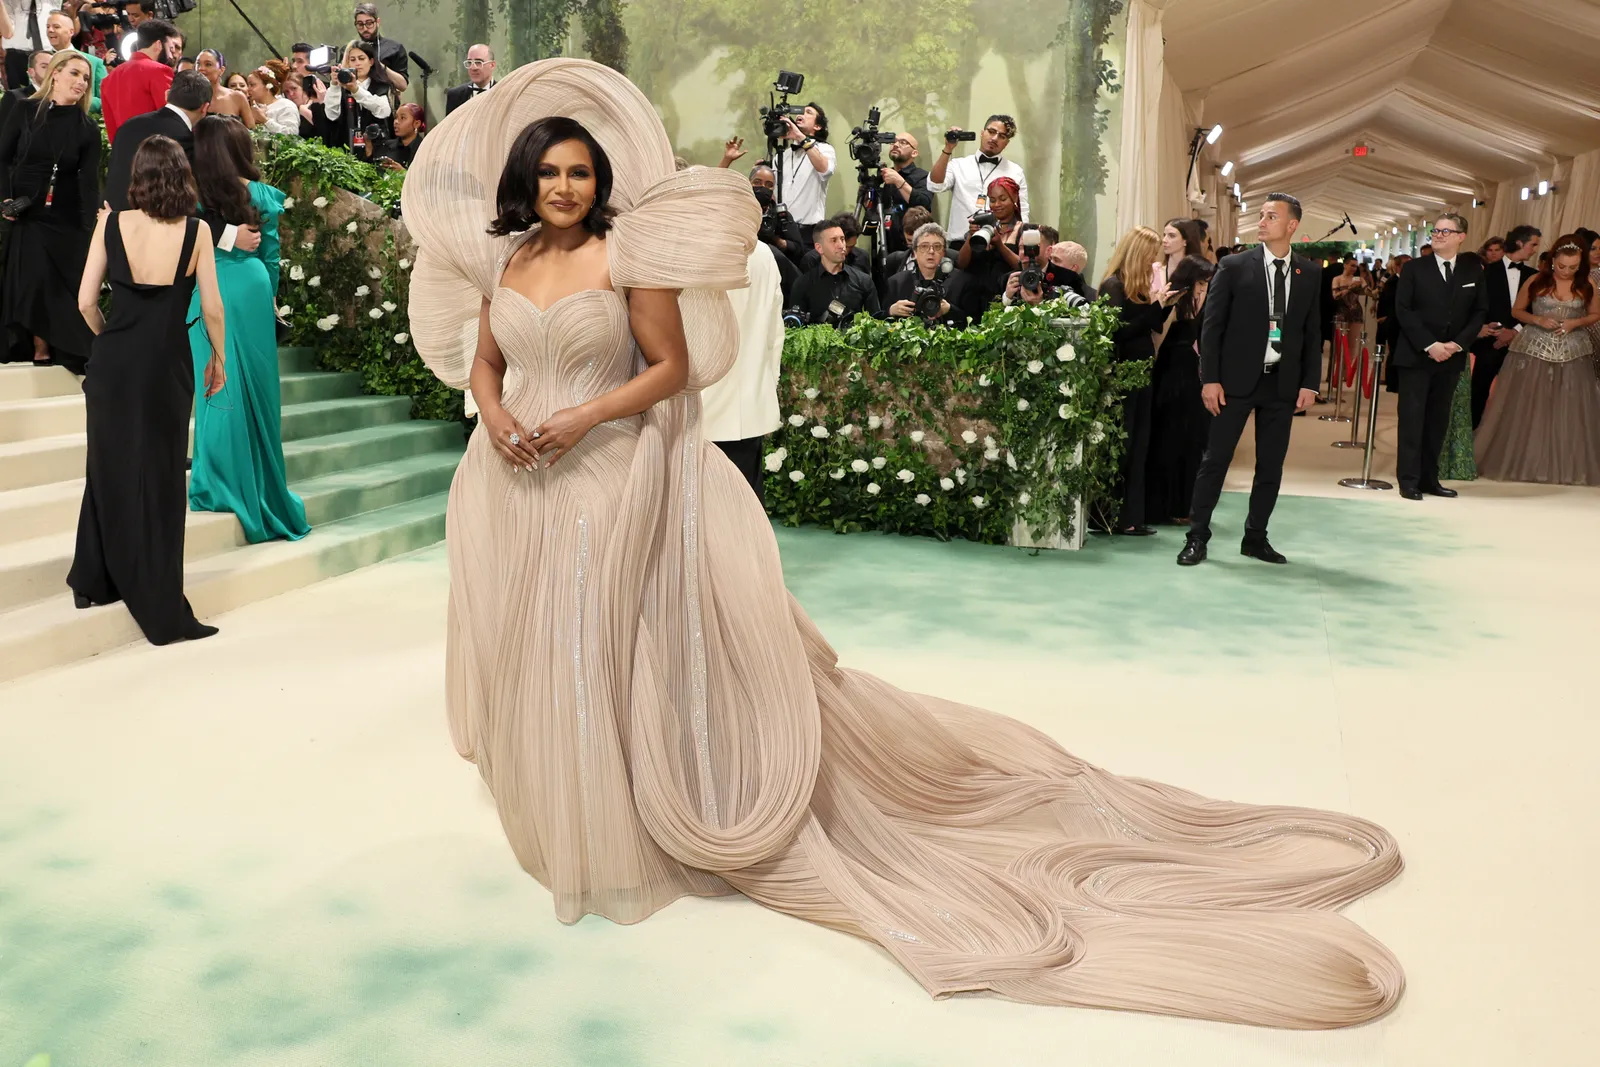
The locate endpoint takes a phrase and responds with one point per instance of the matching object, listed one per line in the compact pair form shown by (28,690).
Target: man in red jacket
(139,85)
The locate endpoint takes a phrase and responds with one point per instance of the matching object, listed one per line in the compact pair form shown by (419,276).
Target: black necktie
(1447,272)
(1280,291)
(995,160)
(33,27)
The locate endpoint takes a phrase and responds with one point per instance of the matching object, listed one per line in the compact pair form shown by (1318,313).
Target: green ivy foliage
(944,433)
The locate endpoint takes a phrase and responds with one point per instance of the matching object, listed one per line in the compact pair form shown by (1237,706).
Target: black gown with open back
(138,400)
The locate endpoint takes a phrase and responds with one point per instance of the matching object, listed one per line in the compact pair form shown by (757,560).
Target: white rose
(1035,366)
(774,462)
(352,227)
(946,484)
(923,499)
(983,381)
(1065,389)
(1064,411)
(978,502)
(327,324)
(389,306)
(873,422)
(288,202)
(968,436)
(1096,427)
(401,338)
(878,463)
(285,311)
(374,273)
(1096,438)
(961,475)
(362,291)
(797,419)
(819,431)
(405,264)
(297,273)
(1011,461)
(1066,353)
(308,245)
(991,454)
(836,474)
(905,475)
(847,429)
(811,394)
(1024,499)
(320,201)
(859,466)
(917,436)
(874,488)
(375,313)
(988,442)
(1022,405)
(315,283)
(796,477)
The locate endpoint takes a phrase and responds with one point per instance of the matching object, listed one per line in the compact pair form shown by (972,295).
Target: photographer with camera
(360,101)
(907,186)
(991,251)
(385,51)
(140,85)
(854,255)
(967,179)
(833,292)
(931,290)
(778,230)
(808,162)
(397,152)
(1068,261)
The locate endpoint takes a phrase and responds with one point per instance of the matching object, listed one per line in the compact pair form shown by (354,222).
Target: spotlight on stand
(1216,132)
(1525,191)
(1200,139)
(1227,168)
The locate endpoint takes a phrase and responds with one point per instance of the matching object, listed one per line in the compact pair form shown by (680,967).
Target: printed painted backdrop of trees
(707,64)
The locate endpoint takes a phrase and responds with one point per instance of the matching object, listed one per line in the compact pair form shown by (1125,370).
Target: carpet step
(21,420)
(41,461)
(296,360)
(52,632)
(318,385)
(36,510)
(322,417)
(371,444)
(18,381)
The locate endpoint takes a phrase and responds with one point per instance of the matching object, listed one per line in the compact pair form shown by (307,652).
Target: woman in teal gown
(238,437)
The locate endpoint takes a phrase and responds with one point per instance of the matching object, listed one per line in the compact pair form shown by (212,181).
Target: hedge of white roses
(950,433)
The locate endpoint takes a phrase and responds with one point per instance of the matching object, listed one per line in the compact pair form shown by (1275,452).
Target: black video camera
(794,318)
(928,296)
(952,136)
(866,144)
(347,77)
(773,125)
(985,233)
(1033,266)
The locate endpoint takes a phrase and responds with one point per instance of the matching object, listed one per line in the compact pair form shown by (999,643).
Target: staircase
(373,480)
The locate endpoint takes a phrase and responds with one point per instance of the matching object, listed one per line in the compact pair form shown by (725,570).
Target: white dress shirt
(333,100)
(1514,283)
(744,402)
(21,38)
(1443,263)
(1273,355)
(965,179)
(805,188)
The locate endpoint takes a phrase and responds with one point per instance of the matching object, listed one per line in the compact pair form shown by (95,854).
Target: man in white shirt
(741,408)
(805,166)
(967,179)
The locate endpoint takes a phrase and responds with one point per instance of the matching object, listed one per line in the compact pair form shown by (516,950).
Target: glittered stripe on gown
(656,716)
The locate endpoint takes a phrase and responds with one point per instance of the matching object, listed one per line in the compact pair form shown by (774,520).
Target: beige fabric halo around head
(691,230)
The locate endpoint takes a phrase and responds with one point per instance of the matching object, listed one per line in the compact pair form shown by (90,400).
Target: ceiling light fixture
(1227,168)
(1214,135)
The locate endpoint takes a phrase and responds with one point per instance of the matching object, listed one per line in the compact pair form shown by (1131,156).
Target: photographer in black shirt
(905,186)
(833,292)
(853,255)
(397,152)
(778,227)
(932,290)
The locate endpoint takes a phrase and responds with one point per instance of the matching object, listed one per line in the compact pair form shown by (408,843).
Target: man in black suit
(1261,352)
(1504,280)
(1441,305)
(480,78)
(188,100)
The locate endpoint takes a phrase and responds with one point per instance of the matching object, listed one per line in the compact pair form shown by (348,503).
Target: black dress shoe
(1410,494)
(1439,490)
(1135,531)
(1194,551)
(1260,548)
(81,602)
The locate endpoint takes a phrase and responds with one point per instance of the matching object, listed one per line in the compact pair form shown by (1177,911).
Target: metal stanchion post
(1355,403)
(1366,481)
(1338,377)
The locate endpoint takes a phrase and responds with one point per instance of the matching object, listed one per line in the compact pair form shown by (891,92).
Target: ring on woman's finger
(516,438)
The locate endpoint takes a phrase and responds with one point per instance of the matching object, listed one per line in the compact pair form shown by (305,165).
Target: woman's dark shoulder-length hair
(1190,272)
(161,184)
(517,198)
(222,155)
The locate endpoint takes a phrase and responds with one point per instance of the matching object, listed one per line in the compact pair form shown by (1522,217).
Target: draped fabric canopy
(1457,100)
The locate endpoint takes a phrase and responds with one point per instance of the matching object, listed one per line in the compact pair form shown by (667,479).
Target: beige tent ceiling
(1453,96)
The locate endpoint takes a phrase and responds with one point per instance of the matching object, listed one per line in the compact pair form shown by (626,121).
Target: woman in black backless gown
(1179,421)
(50,159)
(130,530)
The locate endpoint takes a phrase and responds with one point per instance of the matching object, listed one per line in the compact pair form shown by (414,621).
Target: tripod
(869,215)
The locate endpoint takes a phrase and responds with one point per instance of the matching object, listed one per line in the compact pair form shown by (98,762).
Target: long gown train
(656,717)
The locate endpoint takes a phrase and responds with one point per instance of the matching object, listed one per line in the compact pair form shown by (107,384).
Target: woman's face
(1172,242)
(70,82)
(1594,254)
(1494,254)
(358,61)
(1565,267)
(206,63)
(1200,291)
(1000,202)
(259,91)
(239,82)
(404,124)
(567,185)
(1350,269)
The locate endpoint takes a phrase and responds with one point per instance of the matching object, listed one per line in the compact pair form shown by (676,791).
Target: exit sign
(1360,151)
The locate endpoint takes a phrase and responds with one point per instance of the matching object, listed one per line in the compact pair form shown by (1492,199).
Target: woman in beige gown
(657,717)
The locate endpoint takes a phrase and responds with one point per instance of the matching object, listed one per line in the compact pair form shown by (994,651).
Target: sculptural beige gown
(656,716)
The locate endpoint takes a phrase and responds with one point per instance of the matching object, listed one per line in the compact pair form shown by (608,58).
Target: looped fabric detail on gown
(657,717)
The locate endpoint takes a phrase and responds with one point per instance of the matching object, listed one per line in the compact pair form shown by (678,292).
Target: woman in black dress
(130,530)
(50,176)
(1179,421)
(1136,285)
